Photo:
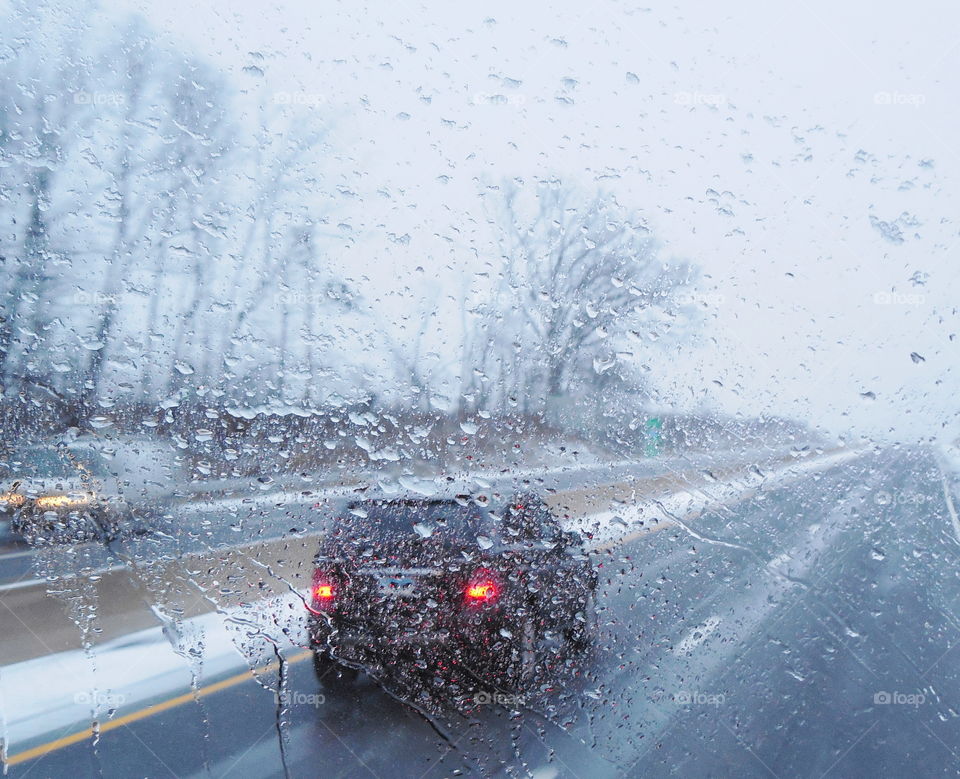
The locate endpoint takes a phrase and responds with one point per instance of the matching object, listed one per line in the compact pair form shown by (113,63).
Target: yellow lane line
(149,711)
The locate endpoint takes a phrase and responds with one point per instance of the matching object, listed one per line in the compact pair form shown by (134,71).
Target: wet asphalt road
(248,511)
(811,630)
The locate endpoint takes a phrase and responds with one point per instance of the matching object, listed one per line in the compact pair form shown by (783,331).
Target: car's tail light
(482,588)
(323,590)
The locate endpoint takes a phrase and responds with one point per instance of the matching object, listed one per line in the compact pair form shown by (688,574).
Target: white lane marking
(23,583)
(697,636)
(780,560)
(954,519)
(948,499)
(675,507)
(12,555)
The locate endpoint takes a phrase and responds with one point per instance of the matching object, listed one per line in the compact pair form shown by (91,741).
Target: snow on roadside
(649,513)
(950,458)
(57,691)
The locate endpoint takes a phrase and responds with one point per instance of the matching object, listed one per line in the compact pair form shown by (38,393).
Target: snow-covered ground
(68,689)
(674,506)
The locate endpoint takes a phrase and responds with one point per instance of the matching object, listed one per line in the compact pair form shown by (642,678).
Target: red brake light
(322,590)
(482,588)
(482,591)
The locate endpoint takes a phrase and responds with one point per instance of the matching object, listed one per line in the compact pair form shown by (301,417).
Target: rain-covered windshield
(517,389)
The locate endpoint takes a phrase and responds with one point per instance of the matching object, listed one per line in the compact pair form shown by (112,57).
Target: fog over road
(807,630)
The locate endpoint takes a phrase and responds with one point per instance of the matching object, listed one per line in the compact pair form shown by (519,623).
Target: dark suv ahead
(450,583)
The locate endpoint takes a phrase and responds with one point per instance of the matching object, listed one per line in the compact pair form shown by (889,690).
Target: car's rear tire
(529,656)
(331,673)
(583,636)
(515,666)
(52,528)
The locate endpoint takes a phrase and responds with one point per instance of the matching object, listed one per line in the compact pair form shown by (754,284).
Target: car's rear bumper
(364,642)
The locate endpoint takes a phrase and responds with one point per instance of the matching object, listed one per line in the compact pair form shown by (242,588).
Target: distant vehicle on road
(438,583)
(87,489)
(52,495)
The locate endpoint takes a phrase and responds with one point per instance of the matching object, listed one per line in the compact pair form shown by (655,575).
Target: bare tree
(282,169)
(143,239)
(577,277)
(36,132)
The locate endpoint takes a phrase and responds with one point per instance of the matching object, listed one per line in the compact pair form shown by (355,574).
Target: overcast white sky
(759,139)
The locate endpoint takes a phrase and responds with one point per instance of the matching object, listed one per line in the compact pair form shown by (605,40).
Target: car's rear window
(400,518)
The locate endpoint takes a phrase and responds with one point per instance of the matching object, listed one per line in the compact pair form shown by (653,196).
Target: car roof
(447,493)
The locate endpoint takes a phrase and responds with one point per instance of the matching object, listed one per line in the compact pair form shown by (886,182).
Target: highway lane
(856,674)
(263,543)
(247,512)
(767,649)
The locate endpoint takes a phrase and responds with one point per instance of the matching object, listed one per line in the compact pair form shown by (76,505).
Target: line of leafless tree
(578,294)
(143,240)
(152,245)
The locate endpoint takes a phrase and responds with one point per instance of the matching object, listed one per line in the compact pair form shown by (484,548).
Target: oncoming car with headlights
(501,593)
(53,494)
